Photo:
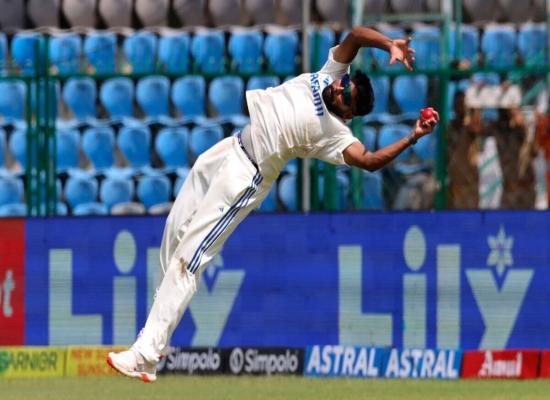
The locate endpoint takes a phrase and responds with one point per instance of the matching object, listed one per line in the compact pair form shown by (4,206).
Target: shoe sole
(143,376)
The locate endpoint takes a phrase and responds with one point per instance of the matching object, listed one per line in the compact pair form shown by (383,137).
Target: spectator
(463,147)
(516,153)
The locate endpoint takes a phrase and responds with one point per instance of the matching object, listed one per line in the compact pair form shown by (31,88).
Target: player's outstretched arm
(358,155)
(365,37)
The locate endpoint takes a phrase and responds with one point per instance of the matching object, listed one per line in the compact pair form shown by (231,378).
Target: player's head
(349,96)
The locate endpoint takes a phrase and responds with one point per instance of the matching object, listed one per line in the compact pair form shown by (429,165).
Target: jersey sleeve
(332,148)
(334,68)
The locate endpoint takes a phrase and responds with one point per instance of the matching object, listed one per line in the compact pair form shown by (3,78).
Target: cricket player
(303,117)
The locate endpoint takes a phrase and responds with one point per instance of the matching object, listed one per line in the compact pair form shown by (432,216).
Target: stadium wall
(445,280)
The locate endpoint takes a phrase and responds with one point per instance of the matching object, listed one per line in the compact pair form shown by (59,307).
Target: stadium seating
(262,82)
(134,142)
(516,11)
(189,96)
(320,42)
(333,10)
(117,97)
(93,208)
(498,46)
(381,58)
(100,50)
(13,210)
(532,44)
(43,12)
(80,189)
(12,15)
(482,10)
(116,13)
(225,12)
(68,147)
(189,12)
(342,192)
(203,137)
(65,51)
(381,89)
(426,41)
(152,95)
(181,176)
(208,48)
(23,51)
(469,43)
(116,191)
(98,145)
(370,138)
(372,190)
(375,6)
(80,12)
(18,147)
(291,11)
(392,133)
(11,190)
(261,11)
(410,93)
(281,50)
(270,202)
(3,150)
(140,49)
(287,192)
(173,52)
(226,94)
(80,96)
(154,190)
(12,100)
(406,6)
(152,12)
(245,49)
(171,144)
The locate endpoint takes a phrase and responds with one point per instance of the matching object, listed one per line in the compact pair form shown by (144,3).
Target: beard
(328,99)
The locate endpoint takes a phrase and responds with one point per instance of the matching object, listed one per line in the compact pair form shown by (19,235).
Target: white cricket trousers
(221,189)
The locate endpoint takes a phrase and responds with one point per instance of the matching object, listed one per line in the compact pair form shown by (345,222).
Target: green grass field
(272,388)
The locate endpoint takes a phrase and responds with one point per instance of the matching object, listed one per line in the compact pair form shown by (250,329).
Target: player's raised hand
(426,123)
(400,51)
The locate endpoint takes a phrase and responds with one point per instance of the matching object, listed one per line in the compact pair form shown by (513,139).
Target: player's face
(339,97)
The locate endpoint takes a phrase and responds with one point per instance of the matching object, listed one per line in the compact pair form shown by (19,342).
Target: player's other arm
(358,155)
(365,37)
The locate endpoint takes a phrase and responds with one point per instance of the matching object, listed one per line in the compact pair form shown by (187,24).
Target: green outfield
(243,388)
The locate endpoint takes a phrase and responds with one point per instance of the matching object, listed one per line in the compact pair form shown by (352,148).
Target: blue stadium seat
(208,48)
(381,58)
(372,191)
(173,53)
(18,147)
(410,93)
(370,138)
(245,49)
(23,51)
(181,177)
(342,189)
(281,50)
(153,189)
(80,189)
(392,133)
(270,202)
(3,51)
(381,89)
(469,37)
(65,51)
(141,49)
(152,95)
(80,96)
(203,137)
(93,208)
(172,144)
(262,82)
(498,46)
(98,145)
(320,42)
(13,210)
(115,191)
(61,209)
(286,190)
(2,148)
(117,96)
(425,148)
(532,44)
(426,41)
(134,142)
(68,147)
(11,190)
(226,94)
(13,96)
(100,49)
(188,95)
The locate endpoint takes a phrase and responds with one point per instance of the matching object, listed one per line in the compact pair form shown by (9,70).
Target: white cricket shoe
(132,364)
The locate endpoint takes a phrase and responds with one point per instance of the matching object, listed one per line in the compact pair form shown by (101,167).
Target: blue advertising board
(444,280)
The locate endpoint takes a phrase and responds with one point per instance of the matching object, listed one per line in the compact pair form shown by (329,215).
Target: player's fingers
(392,59)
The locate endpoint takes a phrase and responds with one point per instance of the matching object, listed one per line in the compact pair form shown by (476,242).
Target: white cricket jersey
(291,120)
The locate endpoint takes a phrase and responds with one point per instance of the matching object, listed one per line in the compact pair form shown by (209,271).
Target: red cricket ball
(427,113)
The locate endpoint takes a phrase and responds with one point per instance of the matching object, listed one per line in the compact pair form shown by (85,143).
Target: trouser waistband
(245,142)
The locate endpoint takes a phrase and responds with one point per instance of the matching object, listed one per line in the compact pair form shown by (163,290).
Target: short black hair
(364,101)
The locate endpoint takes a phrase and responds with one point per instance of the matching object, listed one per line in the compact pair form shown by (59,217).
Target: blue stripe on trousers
(222,224)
